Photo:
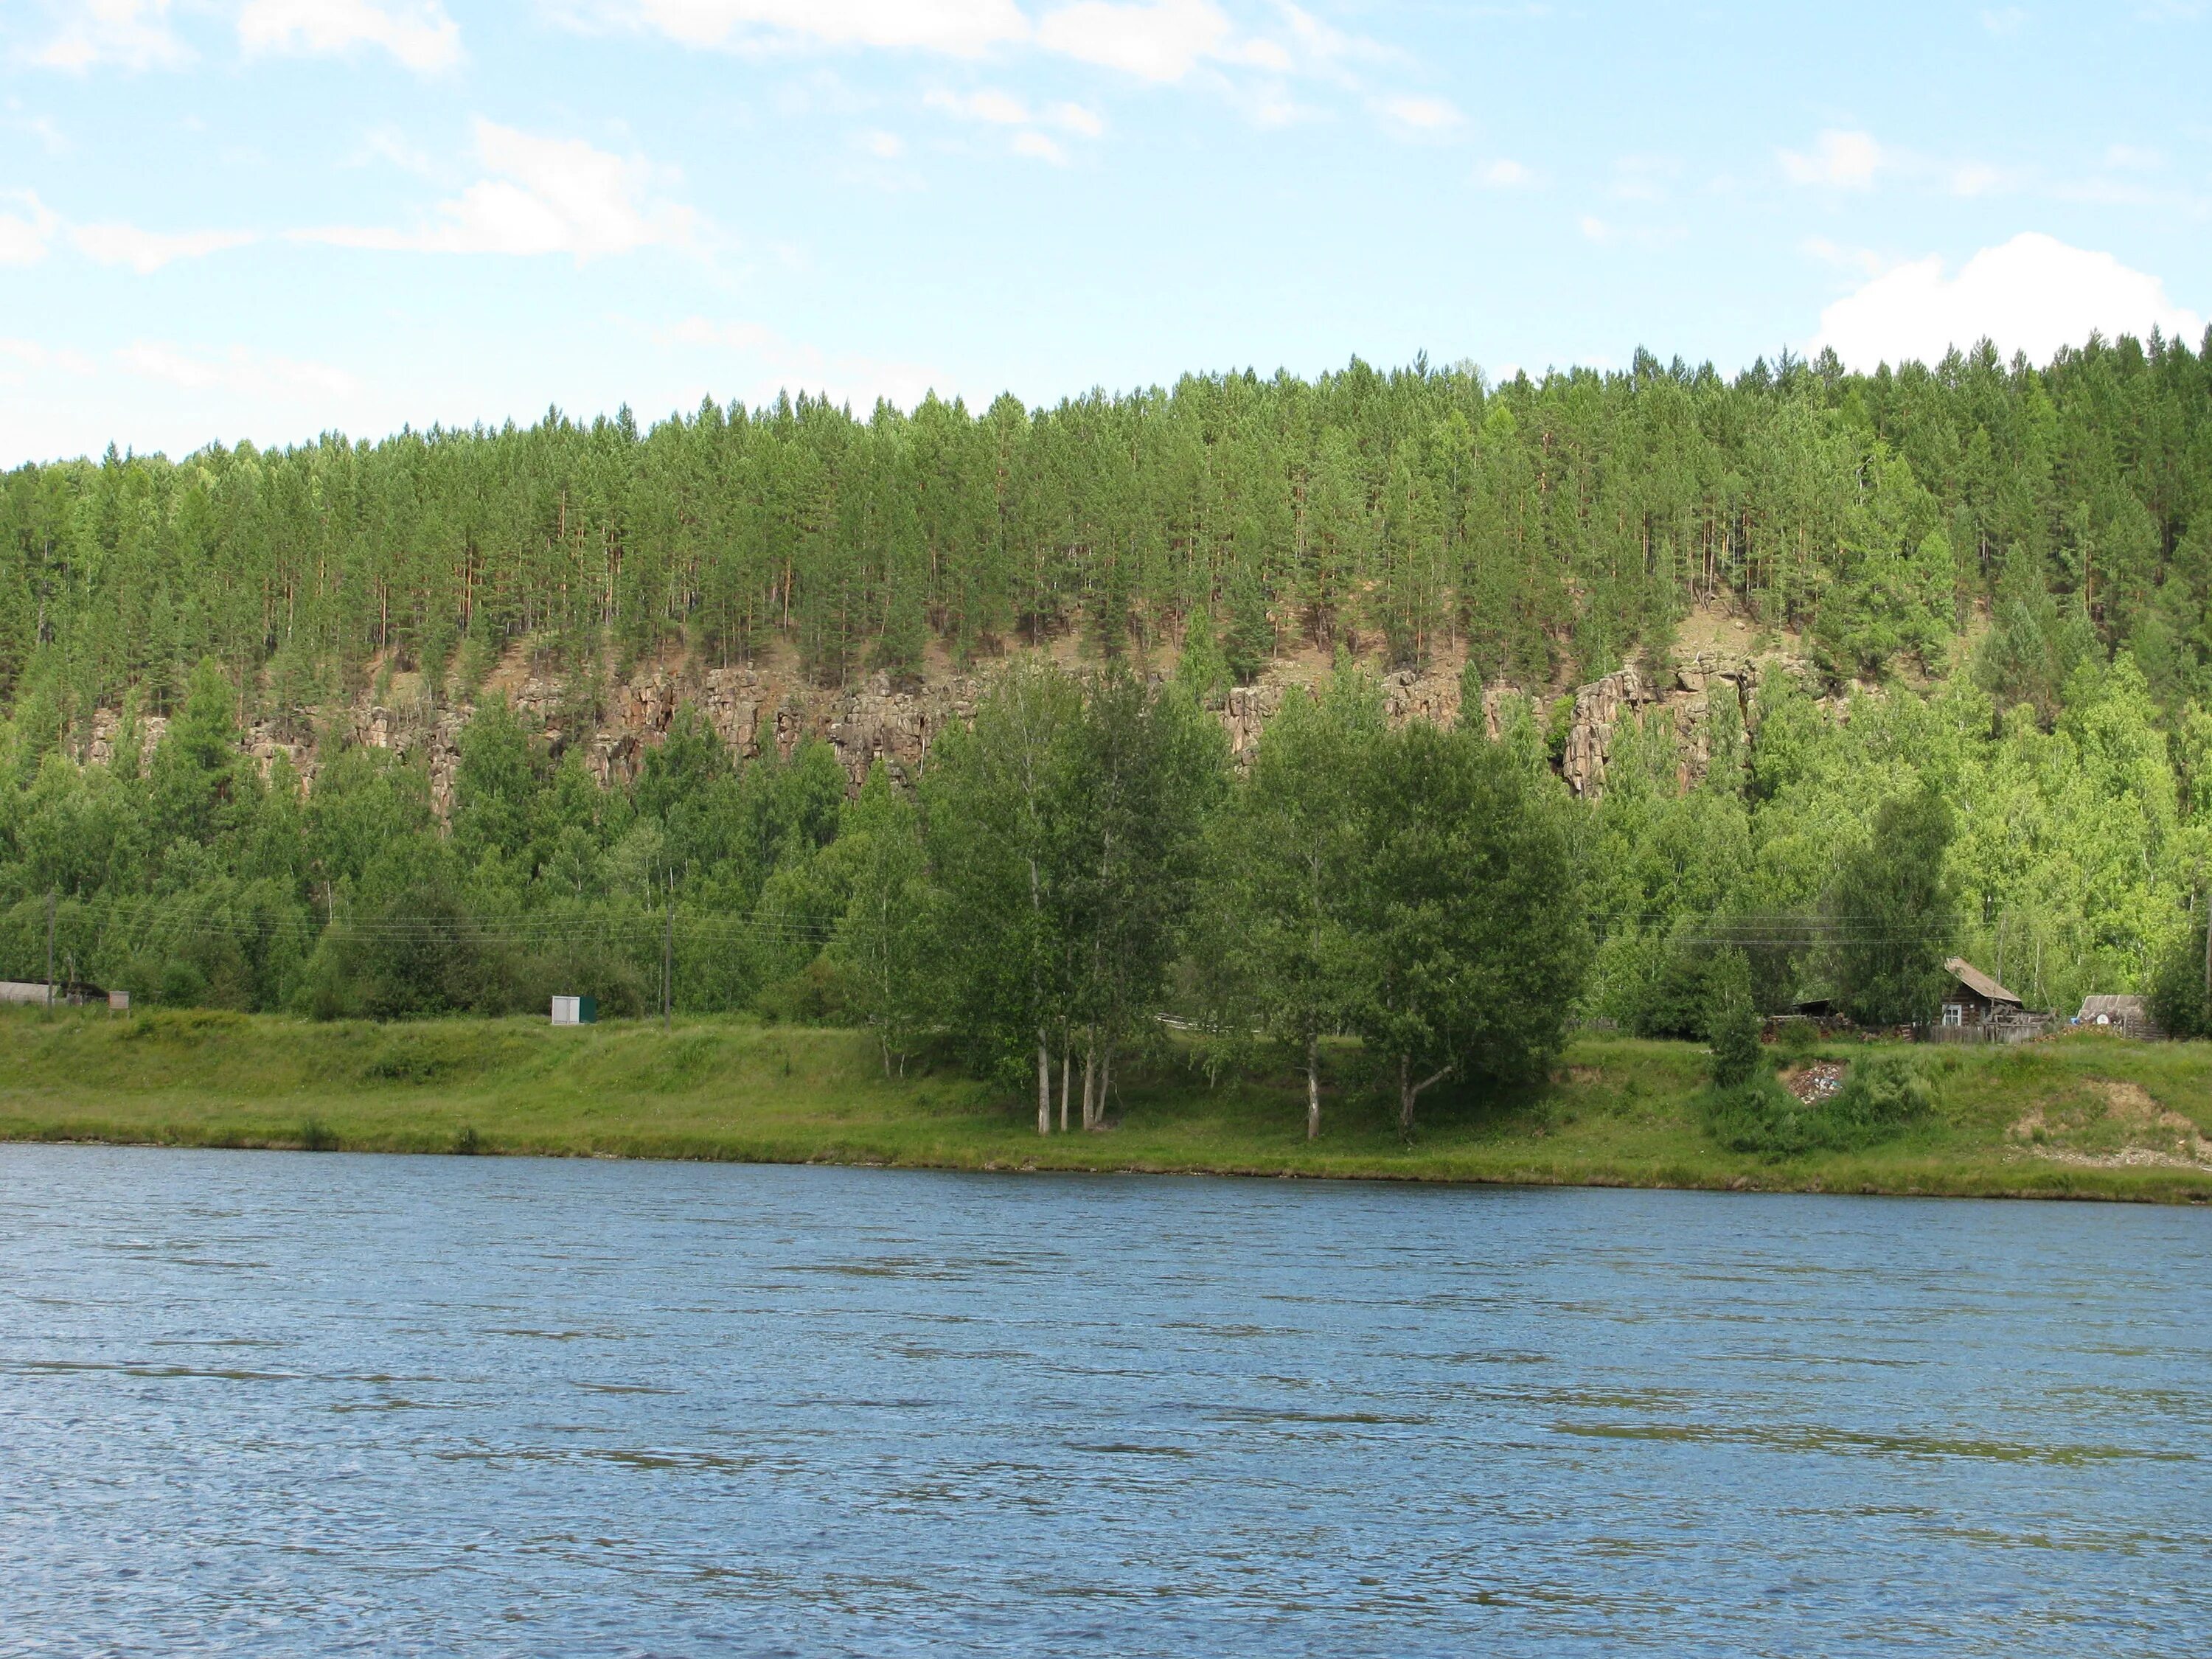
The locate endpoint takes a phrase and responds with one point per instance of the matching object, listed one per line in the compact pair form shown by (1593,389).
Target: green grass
(1618,1112)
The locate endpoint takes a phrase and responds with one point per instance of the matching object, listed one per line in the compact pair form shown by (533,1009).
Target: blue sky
(226,219)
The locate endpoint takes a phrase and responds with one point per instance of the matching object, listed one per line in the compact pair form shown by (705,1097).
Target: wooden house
(1974,1000)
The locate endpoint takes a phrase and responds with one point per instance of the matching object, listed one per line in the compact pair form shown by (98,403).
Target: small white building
(575,1010)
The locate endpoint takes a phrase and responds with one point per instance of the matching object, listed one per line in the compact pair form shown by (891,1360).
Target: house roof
(2112,1007)
(1979,982)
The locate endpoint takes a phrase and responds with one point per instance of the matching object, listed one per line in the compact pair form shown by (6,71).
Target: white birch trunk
(1313,1088)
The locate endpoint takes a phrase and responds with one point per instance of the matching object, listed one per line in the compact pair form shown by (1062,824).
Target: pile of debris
(1814,1083)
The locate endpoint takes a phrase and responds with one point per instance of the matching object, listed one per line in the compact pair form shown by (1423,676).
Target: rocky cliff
(759,708)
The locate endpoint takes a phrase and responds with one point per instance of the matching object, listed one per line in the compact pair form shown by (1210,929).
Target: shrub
(1883,1094)
(1795,1039)
(1731,1026)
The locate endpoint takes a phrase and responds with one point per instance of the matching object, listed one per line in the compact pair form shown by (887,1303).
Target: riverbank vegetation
(2085,1116)
(1998,744)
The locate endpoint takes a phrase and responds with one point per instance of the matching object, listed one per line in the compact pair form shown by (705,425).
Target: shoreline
(1620,1112)
(1970,1187)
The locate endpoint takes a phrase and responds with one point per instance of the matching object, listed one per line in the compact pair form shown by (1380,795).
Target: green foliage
(1881,1097)
(1731,1023)
(1892,913)
(1468,926)
(2180,998)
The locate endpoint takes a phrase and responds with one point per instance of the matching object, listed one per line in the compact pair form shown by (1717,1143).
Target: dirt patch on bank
(2145,1132)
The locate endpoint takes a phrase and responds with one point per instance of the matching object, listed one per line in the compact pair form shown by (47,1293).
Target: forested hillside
(1547,523)
(1993,579)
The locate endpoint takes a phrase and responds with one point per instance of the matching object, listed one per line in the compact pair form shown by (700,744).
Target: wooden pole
(668,960)
(49,947)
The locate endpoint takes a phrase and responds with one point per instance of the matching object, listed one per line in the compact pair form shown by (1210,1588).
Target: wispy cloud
(1156,42)
(251,374)
(999,108)
(1837,159)
(1504,173)
(544,196)
(26,228)
(1003,109)
(419,33)
(132,35)
(1420,114)
(148,250)
(960,28)
(17,355)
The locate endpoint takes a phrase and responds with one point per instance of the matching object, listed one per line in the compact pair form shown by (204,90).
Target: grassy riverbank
(2083,1116)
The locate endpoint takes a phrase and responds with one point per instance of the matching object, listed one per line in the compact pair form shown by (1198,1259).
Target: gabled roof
(2112,1007)
(1979,982)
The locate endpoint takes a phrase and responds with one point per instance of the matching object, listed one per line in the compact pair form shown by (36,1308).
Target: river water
(283,1403)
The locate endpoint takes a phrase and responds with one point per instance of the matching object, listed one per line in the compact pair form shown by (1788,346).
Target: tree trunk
(1409,1092)
(1313,1087)
(1105,1081)
(1044,1084)
(1090,1073)
(1067,1080)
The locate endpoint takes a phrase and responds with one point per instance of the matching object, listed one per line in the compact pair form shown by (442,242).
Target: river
(274,1403)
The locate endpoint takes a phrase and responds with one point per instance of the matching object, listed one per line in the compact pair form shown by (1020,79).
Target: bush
(1795,1039)
(2177,1001)
(1731,1026)
(1881,1095)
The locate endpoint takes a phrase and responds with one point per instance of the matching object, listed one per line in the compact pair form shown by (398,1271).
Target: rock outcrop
(760,709)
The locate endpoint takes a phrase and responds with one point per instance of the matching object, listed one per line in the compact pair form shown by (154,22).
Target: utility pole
(49,947)
(668,959)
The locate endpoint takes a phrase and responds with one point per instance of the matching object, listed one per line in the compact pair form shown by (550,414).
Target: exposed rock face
(1600,708)
(755,709)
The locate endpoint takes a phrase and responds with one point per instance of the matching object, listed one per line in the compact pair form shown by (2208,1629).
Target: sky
(226,219)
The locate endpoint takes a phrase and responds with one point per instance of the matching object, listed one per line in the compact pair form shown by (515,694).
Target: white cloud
(1841,160)
(134,34)
(1003,110)
(1421,114)
(418,33)
(1076,119)
(146,251)
(27,231)
(961,28)
(884,146)
(252,373)
(2033,294)
(545,196)
(31,354)
(1161,40)
(1504,173)
(2133,157)
(1596,228)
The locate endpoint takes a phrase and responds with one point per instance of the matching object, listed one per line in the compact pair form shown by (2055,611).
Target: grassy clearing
(1618,1112)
